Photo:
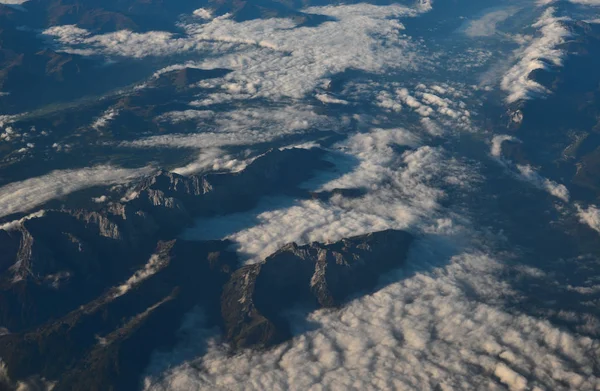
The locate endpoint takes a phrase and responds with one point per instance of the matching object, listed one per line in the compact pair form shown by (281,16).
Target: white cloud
(324,98)
(215,160)
(100,200)
(539,53)
(17,223)
(240,127)
(486,25)
(154,264)
(386,101)
(589,216)
(529,174)
(402,193)
(434,328)
(13,2)
(26,195)
(432,127)
(8,119)
(203,13)
(273,56)
(586,2)
(496,149)
(186,115)
(105,119)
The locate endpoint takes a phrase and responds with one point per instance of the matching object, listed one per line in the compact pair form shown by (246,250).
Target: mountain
(313,276)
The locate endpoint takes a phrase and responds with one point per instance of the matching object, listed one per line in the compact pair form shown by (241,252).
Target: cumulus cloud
(439,105)
(541,53)
(26,195)
(386,101)
(529,174)
(203,13)
(589,216)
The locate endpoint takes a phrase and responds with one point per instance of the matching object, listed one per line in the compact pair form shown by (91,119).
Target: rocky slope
(312,276)
(59,259)
(87,295)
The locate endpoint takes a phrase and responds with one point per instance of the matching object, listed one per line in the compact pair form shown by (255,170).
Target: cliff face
(314,276)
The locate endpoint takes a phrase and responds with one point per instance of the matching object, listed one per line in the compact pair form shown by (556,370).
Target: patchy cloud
(586,2)
(271,57)
(589,216)
(328,99)
(26,195)
(105,119)
(529,174)
(154,264)
(403,192)
(245,126)
(496,149)
(486,25)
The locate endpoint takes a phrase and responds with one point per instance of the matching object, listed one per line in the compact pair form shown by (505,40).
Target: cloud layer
(271,57)
(541,53)
(30,193)
(436,330)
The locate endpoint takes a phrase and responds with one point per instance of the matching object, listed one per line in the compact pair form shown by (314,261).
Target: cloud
(586,2)
(486,25)
(589,216)
(526,172)
(440,105)
(245,126)
(541,53)
(403,192)
(105,119)
(203,13)
(496,149)
(387,102)
(270,58)
(215,160)
(439,329)
(529,174)
(30,193)
(154,264)
(186,115)
(441,323)
(324,98)
(12,225)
